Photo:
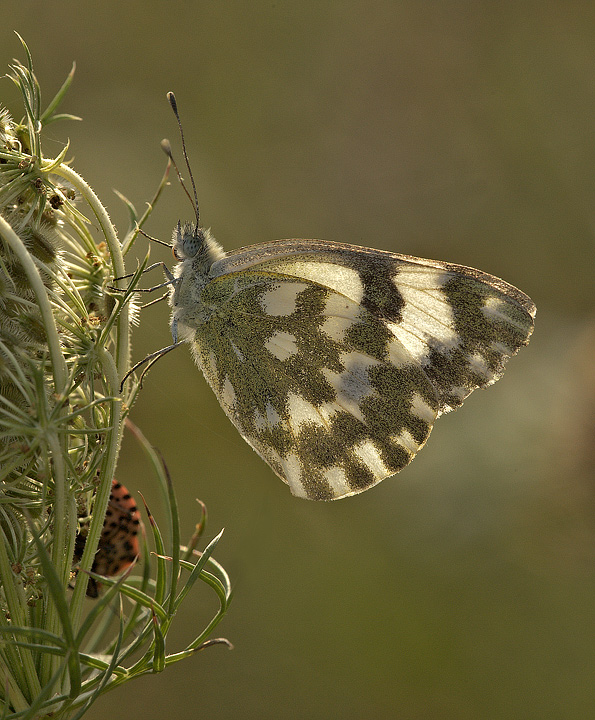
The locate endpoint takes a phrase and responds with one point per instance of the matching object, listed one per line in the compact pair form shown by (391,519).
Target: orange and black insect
(118,545)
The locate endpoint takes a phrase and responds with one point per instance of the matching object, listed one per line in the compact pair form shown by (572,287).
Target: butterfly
(333,361)
(118,544)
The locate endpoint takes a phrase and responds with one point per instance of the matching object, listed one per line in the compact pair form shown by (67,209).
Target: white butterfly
(333,361)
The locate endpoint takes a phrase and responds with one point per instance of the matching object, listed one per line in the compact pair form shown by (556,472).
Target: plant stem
(58,363)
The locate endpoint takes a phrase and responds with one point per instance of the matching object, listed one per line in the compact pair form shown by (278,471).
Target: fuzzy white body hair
(191,274)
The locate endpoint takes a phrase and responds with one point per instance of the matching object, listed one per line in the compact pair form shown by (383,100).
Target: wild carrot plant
(64,348)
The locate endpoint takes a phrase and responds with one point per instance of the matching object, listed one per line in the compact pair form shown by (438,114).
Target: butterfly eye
(190,246)
(192,241)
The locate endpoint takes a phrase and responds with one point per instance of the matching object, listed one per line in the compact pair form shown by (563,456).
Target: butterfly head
(193,243)
(187,241)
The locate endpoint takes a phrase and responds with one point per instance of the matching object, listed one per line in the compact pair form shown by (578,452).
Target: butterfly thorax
(196,250)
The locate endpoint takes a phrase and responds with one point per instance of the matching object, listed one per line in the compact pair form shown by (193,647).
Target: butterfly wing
(316,384)
(459,324)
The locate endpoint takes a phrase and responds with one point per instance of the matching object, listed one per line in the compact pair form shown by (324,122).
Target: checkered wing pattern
(333,361)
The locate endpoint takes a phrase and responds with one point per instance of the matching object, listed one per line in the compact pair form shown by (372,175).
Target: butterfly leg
(151,360)
(171,280)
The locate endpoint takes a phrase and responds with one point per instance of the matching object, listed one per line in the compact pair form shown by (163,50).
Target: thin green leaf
(64,116)
(33,632)
(108,671)
(101,605)
(46,690)
(132,217)
(58,596)
(195,570)
(57,161)
(133,231)
(134,595)
(161,579)
(159,654)
(198,531)
(49,116)
(175,537)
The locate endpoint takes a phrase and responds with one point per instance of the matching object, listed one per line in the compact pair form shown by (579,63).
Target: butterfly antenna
(174,106)
(166,147)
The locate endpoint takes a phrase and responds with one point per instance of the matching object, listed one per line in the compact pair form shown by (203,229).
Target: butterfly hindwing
(317,384)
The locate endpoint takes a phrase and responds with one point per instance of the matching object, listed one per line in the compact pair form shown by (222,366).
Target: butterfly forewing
(458,323)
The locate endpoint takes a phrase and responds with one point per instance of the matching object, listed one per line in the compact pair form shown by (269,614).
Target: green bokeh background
(463,131)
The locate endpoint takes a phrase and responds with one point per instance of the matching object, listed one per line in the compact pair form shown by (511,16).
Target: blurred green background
(462,131)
